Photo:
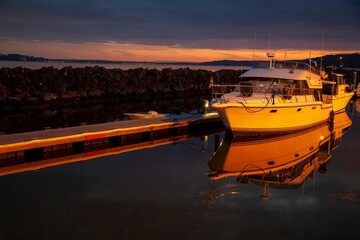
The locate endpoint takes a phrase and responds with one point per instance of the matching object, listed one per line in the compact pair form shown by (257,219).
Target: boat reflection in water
(283,161)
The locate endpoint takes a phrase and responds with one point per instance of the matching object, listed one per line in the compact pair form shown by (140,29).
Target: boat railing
(247,90)
(220,89)
(288,65)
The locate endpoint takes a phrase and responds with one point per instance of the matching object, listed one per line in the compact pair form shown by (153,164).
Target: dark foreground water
(164,192)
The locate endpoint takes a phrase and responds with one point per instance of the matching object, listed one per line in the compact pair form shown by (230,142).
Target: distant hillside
(228,63)
(339,61)
(18,57)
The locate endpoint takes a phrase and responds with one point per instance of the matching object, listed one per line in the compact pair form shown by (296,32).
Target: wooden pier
(25,148)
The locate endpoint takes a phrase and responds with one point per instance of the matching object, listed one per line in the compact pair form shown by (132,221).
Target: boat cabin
(284,78)
(277,79)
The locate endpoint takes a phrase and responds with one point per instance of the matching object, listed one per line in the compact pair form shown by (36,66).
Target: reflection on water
(285,161)
(27,120)
(356,104)
(161,191)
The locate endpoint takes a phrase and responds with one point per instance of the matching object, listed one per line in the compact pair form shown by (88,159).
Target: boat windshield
(275,86)
(260,87)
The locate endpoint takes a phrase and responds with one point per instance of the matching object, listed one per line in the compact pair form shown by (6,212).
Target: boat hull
(244,119)
(340,101)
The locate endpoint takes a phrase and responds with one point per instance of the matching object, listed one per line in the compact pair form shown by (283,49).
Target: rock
(69,95)
(49,84)
(33,100)
(48,97)
(14,99)
(95,93)
(81,94)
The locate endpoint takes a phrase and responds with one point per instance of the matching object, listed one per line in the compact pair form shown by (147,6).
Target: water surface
(164,192)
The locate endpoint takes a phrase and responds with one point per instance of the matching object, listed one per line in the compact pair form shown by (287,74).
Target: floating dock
(24,148)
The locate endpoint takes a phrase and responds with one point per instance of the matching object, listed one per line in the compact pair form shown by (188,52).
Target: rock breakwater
(52,86)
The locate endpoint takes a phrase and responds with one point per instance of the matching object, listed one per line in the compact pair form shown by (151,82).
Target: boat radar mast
(271,56)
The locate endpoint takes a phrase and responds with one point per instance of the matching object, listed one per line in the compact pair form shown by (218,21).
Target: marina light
(205,106)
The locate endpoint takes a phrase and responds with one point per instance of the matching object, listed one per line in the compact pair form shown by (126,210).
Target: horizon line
(163,61)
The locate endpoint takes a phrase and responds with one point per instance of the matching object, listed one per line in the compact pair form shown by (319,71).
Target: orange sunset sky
(191,31)
(139,52)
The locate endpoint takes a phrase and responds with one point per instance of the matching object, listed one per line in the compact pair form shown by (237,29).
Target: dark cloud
(223,24)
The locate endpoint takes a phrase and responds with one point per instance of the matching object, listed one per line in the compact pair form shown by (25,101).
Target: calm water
(164,192)
(38,65)
(28,119)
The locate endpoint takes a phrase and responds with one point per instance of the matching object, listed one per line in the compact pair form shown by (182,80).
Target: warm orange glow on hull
(273,119)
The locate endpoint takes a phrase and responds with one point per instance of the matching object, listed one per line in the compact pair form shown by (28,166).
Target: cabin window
(264,85)
(274,86)
(299,88)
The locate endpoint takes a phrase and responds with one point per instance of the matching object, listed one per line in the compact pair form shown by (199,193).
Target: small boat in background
(150,114)
(336,90)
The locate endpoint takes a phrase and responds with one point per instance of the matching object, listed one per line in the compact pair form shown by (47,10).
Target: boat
(276,97)
(264,156)
(358,90)
(150,114)
(336,90)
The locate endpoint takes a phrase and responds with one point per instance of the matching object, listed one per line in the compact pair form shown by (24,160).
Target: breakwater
(51,86)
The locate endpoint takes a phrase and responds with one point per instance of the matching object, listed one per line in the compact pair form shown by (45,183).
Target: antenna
(310,62)
(254,47)
(322,50)
(269,41)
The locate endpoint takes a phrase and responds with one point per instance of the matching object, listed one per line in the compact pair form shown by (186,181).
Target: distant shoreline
(33,65)
(351,61)
(89,62)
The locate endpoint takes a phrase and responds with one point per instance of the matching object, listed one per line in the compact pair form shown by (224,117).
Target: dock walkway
(21,141)
(46,144)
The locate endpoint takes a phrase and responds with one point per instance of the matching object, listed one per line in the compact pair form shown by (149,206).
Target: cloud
(220,24)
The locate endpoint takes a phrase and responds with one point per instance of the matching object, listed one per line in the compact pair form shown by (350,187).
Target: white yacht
(276,97)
